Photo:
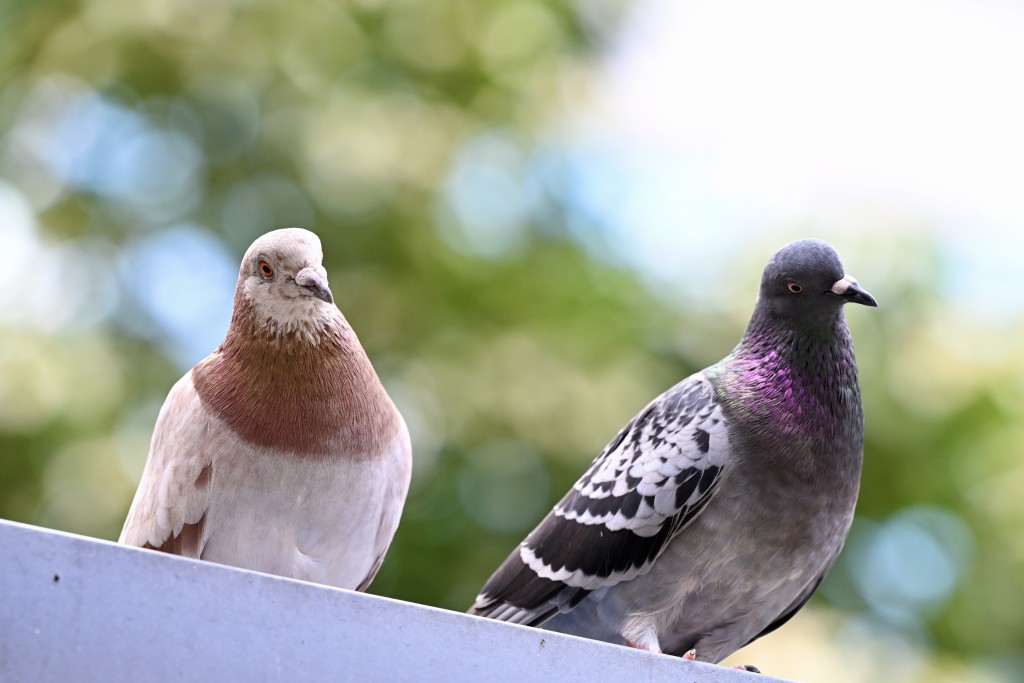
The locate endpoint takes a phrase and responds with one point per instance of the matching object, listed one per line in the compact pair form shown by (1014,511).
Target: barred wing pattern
(647,484)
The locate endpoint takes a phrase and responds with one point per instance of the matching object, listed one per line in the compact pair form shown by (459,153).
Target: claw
(690,655)
(747,667)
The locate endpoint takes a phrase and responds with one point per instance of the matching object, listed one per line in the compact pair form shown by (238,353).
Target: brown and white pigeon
(717,511)
(280,452)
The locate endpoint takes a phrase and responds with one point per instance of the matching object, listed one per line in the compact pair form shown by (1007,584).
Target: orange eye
(794,288)
(266,270)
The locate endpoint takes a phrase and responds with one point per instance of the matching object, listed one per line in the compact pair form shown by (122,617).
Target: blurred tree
(144,145)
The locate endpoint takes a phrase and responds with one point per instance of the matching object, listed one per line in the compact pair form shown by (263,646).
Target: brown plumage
(330,394)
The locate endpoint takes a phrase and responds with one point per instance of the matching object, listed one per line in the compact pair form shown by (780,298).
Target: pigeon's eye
(266,270)
(794,288)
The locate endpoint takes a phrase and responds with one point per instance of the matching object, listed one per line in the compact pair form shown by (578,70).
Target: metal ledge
(78,609)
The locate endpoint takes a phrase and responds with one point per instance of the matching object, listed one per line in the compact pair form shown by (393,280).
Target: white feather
(320,519)
(305,315)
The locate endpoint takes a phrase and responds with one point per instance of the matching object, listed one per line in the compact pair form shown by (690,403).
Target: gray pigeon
(717,511)
(281,451)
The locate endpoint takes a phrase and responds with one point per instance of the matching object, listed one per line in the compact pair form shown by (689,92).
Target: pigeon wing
(647,484)
(170,505)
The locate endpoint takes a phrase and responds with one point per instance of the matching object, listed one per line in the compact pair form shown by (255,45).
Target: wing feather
(647,484)
(170,505)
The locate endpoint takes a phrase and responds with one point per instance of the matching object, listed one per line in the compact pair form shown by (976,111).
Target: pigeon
(718,510)
(280,452)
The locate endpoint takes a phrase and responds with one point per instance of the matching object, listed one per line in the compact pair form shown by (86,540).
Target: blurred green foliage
(134,136)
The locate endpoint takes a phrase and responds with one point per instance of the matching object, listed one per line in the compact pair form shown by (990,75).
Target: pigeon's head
(284,283)
(805,279)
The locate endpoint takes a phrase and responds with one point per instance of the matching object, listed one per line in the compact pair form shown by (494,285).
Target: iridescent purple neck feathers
(795,377)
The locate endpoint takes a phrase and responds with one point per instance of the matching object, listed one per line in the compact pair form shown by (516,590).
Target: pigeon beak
(313,282)
(852,292)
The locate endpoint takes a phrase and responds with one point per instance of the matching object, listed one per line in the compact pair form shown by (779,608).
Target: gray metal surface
(78,609)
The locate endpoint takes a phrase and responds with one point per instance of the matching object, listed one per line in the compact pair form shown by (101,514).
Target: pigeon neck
(294,393)
(769,332)
(795,374)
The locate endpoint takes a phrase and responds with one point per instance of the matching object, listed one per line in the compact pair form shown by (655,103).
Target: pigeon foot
(691,655)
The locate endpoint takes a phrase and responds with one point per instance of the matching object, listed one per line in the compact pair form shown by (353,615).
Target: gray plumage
(717,511)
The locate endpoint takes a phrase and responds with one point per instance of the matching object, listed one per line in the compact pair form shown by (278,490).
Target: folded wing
(170,505)
(647,484)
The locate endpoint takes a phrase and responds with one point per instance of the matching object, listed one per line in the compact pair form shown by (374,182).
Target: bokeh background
(537,216)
